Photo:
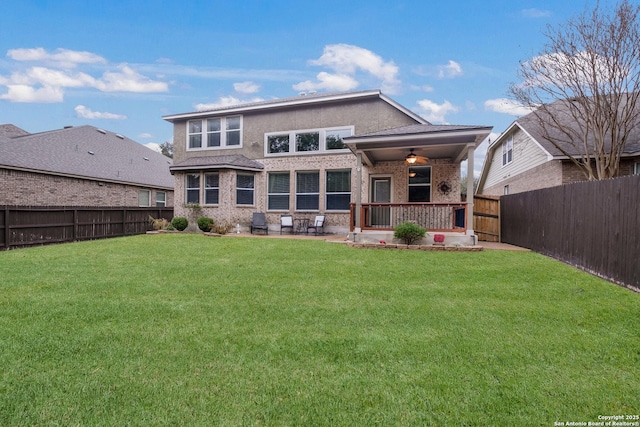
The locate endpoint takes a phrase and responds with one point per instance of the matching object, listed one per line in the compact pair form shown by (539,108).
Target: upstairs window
(310,141)
(507,151)
(214,133)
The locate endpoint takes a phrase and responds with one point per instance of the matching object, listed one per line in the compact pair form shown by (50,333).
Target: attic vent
(91,152)
(119,136)
(102,131)
(68,127)
(146,158)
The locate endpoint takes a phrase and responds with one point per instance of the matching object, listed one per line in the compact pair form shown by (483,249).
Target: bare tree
(584,86)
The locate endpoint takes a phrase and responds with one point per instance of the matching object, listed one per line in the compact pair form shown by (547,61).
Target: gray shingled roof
(530,123)
(233,161)
(86,152)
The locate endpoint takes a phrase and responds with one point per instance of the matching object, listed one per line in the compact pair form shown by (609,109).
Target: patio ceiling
(431,141)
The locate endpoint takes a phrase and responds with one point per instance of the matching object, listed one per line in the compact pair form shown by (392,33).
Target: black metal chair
(317,226)
(259,222)
(286,221)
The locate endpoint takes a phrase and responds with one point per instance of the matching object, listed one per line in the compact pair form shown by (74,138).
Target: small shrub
(179,223)
(409,232)
(158,223)
(205,223)
(221,227)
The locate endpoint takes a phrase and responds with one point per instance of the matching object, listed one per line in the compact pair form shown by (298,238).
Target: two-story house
(359,158)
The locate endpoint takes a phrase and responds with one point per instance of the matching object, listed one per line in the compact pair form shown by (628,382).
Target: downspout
(470,178)
(357,229)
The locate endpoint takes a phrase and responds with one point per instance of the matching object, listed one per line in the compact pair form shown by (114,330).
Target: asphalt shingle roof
(530,123)
(85,152)
(419,129)
(233,161)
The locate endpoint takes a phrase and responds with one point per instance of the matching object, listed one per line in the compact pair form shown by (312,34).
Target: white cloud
(25,93)
(246,87)
(535,13)
(128,80)
(326,81)
(154,146)
(435,113)
(346,61)
(145,135)
(506,106)
(62,57)
(86,113)
(449,71)
(423,88)
(36,83)
(225,101)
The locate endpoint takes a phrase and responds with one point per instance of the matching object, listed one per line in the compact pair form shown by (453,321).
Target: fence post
(7,234)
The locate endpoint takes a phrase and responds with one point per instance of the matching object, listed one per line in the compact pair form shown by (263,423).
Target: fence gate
(486,218)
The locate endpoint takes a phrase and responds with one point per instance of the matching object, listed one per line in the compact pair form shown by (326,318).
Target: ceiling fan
(412,159)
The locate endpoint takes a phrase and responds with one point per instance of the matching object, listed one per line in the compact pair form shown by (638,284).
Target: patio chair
(259,222)
(317,226)
(286,221)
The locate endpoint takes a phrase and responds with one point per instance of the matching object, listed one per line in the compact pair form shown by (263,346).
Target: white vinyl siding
(527,154)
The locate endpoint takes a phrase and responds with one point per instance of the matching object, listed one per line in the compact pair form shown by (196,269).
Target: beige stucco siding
(364,116)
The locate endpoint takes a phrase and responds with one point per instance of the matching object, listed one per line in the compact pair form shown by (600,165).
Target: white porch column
(357,228)
(470,178)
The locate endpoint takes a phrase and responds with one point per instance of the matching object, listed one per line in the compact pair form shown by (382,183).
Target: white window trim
(429,185)
(505,148)
(223,134)
(253,190)
(187,188)
(163,201)
(148,198)
(292,141)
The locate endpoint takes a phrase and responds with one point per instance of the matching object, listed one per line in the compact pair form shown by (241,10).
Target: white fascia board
(417,136)
(302,100)
(405,110)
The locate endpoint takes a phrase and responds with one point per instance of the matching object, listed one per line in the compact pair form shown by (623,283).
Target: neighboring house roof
(84,152)
(530,125)
(234,161)
(296,101)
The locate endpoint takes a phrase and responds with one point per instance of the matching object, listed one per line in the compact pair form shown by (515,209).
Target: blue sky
(122,65)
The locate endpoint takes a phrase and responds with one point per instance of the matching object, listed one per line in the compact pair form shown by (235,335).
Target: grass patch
(185,330)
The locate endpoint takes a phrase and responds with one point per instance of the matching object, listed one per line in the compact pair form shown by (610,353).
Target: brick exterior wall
(550,174)
(337,221)
(546,175)
(21,188)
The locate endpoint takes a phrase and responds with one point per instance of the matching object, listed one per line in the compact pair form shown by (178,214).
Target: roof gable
(315,99)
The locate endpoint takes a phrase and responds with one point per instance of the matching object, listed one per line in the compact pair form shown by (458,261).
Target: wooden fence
(592,225)
(486,218)
(23,226)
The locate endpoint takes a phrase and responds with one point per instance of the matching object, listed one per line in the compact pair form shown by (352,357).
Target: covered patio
(412,173)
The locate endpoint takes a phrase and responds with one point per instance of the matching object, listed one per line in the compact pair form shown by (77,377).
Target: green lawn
(181,329)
